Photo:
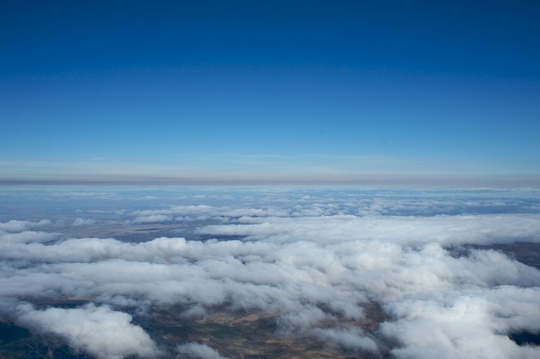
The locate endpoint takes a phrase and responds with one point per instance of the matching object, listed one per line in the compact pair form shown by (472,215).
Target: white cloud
(153,218)
(197,351)
(464,324)
(350,338)
(404,230)
(28,237)
(99,331)
(83,222)
(19,226)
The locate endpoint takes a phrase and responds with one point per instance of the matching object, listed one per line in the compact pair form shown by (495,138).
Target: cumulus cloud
(99,331)
(205,211)
(469,322)
(405,230)
(153,218)
(19,226)
(28,237)
(197,351)
(316,269)
(83,222)
(350,338)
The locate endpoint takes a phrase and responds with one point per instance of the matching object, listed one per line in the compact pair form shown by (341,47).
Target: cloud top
(99,331)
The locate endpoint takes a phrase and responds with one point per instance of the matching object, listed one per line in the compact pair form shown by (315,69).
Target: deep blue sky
(329,90)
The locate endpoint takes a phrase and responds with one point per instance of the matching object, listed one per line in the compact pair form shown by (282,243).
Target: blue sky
(318,91)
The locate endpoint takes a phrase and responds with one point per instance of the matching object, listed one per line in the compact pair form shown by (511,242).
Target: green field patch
(219,331)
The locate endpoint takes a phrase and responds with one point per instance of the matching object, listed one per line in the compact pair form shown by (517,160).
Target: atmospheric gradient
(370,93)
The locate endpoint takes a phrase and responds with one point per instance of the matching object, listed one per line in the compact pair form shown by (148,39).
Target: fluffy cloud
(404,230)
(317,262)
(350,338)
(470,322)
(83,222)
(98,331)
(19,226)
(153,218)
(197,351)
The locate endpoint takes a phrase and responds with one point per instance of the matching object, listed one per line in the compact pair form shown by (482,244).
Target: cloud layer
(315,259)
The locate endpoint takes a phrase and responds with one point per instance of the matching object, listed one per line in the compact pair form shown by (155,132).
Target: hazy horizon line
(381,180)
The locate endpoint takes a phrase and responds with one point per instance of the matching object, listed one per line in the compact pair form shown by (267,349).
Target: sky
(365,92)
